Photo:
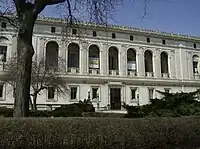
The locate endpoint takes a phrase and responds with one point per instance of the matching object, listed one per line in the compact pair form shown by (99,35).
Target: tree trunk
(24,63)
(34,103)
(31,103)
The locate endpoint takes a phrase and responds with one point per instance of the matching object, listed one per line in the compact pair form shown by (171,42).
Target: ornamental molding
(118,27)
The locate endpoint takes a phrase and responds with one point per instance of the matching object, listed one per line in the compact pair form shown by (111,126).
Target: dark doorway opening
(115,98)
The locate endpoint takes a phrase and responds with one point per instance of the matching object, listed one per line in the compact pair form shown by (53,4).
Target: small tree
(42,77)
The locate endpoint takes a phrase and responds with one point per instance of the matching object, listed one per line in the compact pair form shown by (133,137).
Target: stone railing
(114,72)
(165,75)
(132,73)
(149,74)
(196,76)
(94,71)
(73,70)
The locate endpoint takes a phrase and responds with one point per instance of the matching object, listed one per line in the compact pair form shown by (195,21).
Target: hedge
(71,110)
(100,133)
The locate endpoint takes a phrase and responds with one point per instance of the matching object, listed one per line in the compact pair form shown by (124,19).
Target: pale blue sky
(178,16)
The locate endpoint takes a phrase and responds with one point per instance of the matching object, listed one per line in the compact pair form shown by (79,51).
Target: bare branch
(20,6)
(39,5)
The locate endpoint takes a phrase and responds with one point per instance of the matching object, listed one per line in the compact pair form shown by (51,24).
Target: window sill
(94,100)
(2,99)
(134,101)
(73,100)
(51,100)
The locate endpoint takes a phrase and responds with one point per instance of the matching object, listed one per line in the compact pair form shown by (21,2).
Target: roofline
(120,28)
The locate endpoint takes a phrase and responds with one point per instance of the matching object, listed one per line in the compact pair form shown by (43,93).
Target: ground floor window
(151,91)
(133,93)
(51,92)
(167,90)
(73,91)
(1,90)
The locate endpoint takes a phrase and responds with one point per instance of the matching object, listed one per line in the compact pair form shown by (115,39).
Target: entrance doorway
(115,98)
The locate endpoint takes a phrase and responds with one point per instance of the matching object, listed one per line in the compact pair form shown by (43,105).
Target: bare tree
(42,77)
(27,12)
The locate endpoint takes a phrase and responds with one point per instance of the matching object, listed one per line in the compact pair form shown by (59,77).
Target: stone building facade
(111,65)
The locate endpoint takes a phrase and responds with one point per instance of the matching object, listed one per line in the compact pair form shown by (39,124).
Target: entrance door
(115,98)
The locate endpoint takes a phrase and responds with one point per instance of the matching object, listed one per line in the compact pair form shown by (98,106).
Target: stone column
(104,59)
(157,62)
(190,65)
(83,59)
(140,61)
(42,49)
(171,62)
(123,60)
(62,57)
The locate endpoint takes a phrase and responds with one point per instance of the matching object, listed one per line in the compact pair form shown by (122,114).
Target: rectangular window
(151,90)
(53,29)
(73,60)
(94,34)
(3,53)
(148,40)
(74,31)
(133,94)
(195,45)
(94,93)
(167,90)
(195,67)
(51,92)
(113,35)
(73,93)
(1,90)
(163,41)
(131,38)
(3,24)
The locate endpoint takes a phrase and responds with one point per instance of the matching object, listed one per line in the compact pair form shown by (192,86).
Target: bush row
(72,110)
(171,105)
(99,133)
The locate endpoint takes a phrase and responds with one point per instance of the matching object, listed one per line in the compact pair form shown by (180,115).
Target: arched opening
(52,55)
(113,59)
(148,61)
(131,60)
(94,61)
(3,48)
(195,62)
(164,62)
(73,55)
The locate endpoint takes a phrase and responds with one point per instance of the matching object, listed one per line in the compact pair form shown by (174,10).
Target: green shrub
(102,114)
(6,112)
(99,133)
(85,107)
(40,113)
(67,111)
(171,105)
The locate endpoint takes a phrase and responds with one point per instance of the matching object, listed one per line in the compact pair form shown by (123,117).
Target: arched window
(113,59)
(195,62)
(73,55)
(3,48)
(164,62)
(94,61)
(131,60)
(52,55)
(148,61)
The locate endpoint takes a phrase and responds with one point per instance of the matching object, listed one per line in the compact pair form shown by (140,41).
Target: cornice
(122,28)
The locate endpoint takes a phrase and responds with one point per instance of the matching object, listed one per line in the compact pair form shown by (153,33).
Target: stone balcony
(132,73)
(114,72)
(94,71)
(196,76)
(73,70)
(165,75)
(149,74)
